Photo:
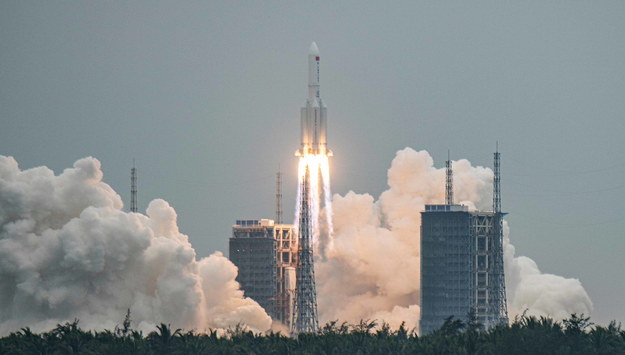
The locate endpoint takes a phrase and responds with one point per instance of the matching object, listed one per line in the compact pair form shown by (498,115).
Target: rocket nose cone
(313,49)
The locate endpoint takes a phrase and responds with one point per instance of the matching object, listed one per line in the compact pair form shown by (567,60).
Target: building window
(482,262)
(481,244)
(482,279)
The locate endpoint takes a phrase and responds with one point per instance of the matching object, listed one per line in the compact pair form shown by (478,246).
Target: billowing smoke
(67,251)
(372,270)
(540,294)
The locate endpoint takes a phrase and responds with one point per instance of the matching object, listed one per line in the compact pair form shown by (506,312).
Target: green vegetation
(526,335)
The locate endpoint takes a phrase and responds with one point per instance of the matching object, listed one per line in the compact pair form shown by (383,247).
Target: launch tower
(305,312)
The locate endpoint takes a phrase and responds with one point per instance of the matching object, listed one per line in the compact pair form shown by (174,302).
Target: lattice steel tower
(449,183)
(498,300)
(133,188)
(305,318)
(497,182)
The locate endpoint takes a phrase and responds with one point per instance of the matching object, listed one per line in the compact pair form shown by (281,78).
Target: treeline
(526,335)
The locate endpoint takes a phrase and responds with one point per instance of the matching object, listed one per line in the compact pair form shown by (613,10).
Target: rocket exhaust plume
(67,250)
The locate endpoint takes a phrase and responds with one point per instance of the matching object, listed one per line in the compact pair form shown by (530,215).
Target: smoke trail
(67,251)
(372,271)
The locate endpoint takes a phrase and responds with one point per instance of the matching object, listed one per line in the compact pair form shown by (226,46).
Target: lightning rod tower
(305,319)
(449,183)
(133,188)
(498,300)
(278,197)
(497,182)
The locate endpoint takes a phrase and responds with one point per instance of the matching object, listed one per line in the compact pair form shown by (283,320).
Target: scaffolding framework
(490,296)
(305,318)
(286,260)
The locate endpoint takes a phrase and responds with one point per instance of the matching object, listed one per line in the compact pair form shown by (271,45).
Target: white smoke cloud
(372,269)
(537,293)
(67,251)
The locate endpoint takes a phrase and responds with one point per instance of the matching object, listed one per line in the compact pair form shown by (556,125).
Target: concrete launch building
(462,262)
(266,255)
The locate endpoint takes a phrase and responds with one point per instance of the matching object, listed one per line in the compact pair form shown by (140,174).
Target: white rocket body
(313,114)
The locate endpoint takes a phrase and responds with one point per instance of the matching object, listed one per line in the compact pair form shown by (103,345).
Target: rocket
(313,114)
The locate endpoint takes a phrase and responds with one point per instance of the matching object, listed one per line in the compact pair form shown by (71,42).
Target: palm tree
(162,340)
(71,338)
(29,342)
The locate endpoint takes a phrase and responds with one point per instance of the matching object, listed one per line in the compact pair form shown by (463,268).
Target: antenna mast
(449,184)
(133,188)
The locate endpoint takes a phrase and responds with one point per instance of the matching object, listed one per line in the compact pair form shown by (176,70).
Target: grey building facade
(461,266)
(266,254)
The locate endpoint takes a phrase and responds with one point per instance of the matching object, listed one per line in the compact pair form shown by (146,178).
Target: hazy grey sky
(206,95)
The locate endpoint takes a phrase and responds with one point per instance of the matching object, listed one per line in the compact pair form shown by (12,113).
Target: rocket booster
(313,114)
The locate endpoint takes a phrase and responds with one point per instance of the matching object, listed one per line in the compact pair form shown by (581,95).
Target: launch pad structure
(462,271)
(313,154)
(276,264)
(462,268)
